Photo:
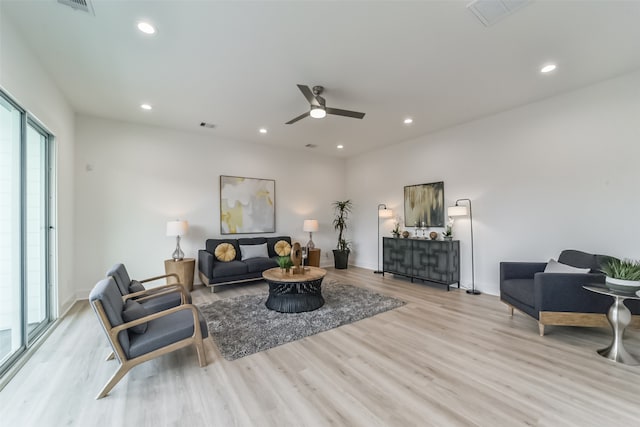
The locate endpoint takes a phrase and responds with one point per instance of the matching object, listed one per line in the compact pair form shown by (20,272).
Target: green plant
(623,269)
(448,232)
(284,262)
(342,210)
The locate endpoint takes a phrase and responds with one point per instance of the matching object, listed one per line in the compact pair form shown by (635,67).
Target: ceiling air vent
(491,11)
(81,5)
(311,145)
(207,125)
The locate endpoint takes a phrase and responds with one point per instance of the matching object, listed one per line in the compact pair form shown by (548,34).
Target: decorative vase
(433,235)
(405,234)
(448,238)
(621,285)
(396,235)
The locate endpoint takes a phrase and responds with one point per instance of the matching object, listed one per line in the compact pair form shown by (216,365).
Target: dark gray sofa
(216,273)
(559,298)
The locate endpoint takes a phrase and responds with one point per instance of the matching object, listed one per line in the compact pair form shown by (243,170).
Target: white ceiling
(236,64)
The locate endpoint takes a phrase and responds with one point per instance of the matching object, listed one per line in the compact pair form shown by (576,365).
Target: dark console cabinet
(431,260)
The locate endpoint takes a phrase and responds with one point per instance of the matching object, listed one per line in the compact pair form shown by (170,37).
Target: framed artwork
(247,205)
(424,205)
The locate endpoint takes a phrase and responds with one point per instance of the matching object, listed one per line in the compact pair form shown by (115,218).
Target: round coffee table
(294,293)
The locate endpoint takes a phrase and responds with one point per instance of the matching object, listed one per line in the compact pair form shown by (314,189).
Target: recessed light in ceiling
(408,121)
(548,68)
(310,145)
(340,146)
(146,107)
(263,130)
(146,28)
(207,125)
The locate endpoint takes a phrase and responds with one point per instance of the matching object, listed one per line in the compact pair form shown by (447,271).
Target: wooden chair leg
(111,356)
(510,311)
(202,357)
(121,372)
(541,329)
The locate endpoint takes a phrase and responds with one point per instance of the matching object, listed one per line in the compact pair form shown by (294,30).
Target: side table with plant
(622,275)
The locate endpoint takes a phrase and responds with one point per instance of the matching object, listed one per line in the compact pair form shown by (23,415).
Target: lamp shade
(310,225)
(177,228)
(457,211)
(385,213)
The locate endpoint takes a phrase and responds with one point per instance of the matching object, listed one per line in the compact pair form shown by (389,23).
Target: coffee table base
(295,297)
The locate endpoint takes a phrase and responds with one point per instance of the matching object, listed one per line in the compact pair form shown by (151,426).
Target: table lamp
(310,225)
(177,228)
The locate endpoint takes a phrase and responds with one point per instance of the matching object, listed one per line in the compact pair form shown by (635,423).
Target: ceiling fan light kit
(318,108)
(317,112)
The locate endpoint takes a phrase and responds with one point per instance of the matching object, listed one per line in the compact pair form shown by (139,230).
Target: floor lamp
(383,212)
(458,210)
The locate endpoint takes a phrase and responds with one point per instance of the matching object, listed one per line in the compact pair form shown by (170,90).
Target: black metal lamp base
(378,272)
(473,291)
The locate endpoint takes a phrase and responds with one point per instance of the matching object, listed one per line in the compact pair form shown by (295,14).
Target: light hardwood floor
(443,359)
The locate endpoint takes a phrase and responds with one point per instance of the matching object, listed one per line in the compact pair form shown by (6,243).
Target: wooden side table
(313,258)
(184,269)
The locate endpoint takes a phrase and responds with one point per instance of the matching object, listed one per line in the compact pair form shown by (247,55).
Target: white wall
(143,176)
(23,77)
(561,173)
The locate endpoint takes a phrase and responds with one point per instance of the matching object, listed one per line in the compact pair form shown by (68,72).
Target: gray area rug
(242,325)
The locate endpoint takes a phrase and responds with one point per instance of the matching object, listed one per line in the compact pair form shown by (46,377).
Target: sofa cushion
(520,290)
(225,252)
(554,266)
(260,264)
(163,302)
(212,244)
(133,310)
(579,259)
(282,248)
(271,243)
(231,268)
(136,286)
(254,251)
(252,240)
(164,331)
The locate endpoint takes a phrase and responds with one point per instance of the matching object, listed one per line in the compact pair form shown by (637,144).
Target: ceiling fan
(318,109)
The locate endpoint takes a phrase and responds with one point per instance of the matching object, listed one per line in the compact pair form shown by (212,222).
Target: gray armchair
(154,299)
(137,336)
(559,298)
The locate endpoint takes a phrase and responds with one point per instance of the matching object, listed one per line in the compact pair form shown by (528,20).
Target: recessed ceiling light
(146,106)
(263,130)
(548,68)
(146,28)
(340,146)
(408,121)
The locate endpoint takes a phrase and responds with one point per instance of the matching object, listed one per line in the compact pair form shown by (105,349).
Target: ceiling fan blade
(346,113)
(308,94)
(300,117)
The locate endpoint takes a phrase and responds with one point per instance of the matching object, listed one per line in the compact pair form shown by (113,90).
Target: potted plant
(447,233)
(396,229)
(284,262)
(622,275)
(342,210)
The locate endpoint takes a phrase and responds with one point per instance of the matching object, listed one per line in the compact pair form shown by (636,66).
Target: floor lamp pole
(380,206)
(473,290)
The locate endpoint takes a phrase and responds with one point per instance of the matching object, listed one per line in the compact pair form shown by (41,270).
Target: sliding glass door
(24,230)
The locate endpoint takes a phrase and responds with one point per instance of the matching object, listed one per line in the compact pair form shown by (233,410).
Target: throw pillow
(225,252)
(133,310)
(254,251)
(282,248)
(554,266)
(135,286)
